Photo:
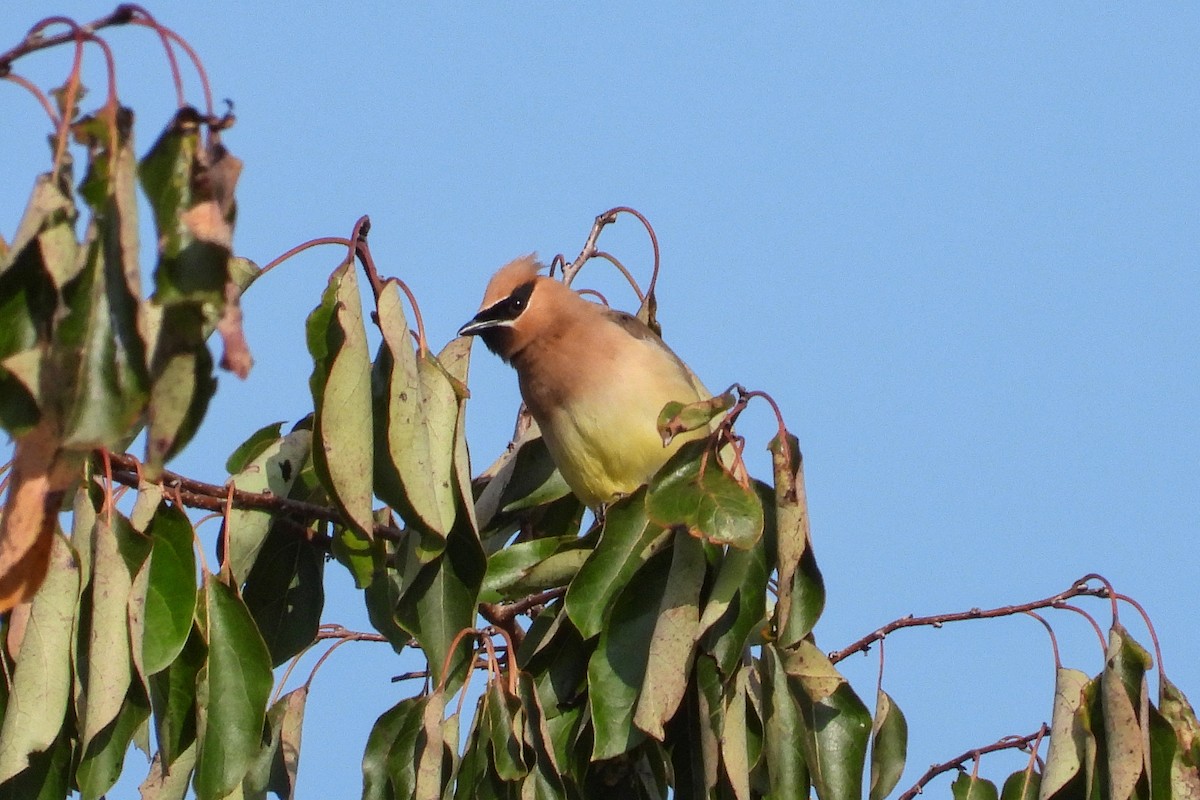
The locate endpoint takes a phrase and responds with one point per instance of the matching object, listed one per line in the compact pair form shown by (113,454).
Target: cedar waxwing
(594,379)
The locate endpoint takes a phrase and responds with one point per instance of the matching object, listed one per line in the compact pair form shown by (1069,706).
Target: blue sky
(958,243)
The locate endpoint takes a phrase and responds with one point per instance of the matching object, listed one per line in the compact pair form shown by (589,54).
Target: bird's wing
(640,330)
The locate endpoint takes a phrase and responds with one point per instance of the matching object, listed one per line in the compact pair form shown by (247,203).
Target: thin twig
(1078,589)
(1007,743)
(35,41)
(210,497)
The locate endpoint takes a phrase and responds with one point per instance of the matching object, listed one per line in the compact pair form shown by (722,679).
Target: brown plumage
(594,379)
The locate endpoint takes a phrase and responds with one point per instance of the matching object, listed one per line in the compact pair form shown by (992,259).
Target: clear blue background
(958,243)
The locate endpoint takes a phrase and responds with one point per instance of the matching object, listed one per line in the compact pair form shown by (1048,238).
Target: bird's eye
(516,304)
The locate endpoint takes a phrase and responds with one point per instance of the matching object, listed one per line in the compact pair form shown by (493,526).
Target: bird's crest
(513,274)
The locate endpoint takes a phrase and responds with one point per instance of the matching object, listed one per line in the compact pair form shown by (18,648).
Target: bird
(594,379)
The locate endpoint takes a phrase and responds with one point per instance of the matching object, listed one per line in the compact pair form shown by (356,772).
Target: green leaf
(173,699)
(182,383)
(524,477)
(557,569)
(673,641)
(1163,749)
(171,588)
(505,721)
(41,685)
(46,778)
(801,588)
(105,755)
(836,722)
(786,767)
(285,592)
(739,595)
(697,492)
(102,358)
(341,387)
(889,746)
(1023,784)
(617,668)
(235,685)
(358,554)
(416,409)
(441,601)
(253,447)
(970,787)
(510,565)
(118,554)
(1064,757)
(556,656)
(623,548)
(389,769)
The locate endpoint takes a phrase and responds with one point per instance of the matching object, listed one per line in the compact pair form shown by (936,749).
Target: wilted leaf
(415,409)
(1065,754)
(801,588)
(1123,692)
(101,764)
(341,389)
(274,768)
(431,749)
(669,661)
(389,768)
(41,684)
(117,555)
(40,475)
(47,777)
(677,418)
(169,784)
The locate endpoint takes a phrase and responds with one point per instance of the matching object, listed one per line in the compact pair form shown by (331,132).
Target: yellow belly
(608,445)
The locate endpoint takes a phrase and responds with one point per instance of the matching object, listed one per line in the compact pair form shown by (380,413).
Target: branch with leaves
(667,648)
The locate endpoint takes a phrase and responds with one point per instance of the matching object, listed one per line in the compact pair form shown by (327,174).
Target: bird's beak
(477,325)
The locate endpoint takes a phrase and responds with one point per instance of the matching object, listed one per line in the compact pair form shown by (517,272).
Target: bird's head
(508,317)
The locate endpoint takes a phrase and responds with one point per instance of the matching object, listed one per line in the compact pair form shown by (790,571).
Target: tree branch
(34,40)
(208,496)
(1007,743)
(1078,589)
